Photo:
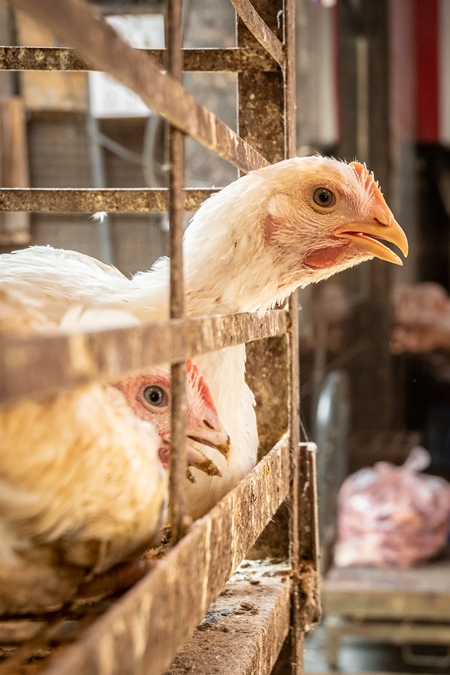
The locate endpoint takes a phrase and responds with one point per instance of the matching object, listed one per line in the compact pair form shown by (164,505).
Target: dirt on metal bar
(308,573)
(89,200)
(259,29)
(178,455)
(40,365)
(194,60)
(254,611)
(158,615)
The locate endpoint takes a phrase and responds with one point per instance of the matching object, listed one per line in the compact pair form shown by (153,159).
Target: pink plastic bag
(391,516)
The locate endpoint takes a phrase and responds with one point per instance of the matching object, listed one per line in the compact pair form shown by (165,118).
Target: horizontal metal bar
(37,365)
(78,25)
(260,30)
(158,615)
(396,632)
(257,636)
(90,200)
(194,60)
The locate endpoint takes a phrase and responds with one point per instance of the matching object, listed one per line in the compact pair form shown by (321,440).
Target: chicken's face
(324,216)
(281,227)
(148,395)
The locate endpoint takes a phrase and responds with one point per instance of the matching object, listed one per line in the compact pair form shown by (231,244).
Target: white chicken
(83,486)
(278,228)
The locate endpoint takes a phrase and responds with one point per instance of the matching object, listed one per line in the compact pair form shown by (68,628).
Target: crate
(275,505)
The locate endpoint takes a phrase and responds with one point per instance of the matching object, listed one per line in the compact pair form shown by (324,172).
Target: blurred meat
(391,516)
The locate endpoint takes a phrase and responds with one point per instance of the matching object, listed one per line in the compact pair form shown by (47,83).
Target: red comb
(199,382)
(368,180)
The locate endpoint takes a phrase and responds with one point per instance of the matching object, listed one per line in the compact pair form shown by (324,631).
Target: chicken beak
(213,437)
(198,459)
(366,236)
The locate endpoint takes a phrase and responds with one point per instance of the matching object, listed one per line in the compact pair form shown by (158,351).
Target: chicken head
(148,395)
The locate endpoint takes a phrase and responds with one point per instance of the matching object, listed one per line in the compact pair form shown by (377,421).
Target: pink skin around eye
(202,424)
(132,388)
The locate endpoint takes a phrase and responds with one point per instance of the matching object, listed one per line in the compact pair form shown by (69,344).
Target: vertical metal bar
(300,476)
(290,105)
(178,462)
(298,480)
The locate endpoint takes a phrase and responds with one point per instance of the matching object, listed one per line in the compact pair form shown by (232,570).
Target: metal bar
(290,105)
(259,29)
(299,478)
(311,611)
(257,635)
(194,60)
(143,631)
(78,24)
(178,458)
(261,95)
(297,628)
(37,365)
(88,200)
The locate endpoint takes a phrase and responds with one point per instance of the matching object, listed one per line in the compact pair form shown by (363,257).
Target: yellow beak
(366,236)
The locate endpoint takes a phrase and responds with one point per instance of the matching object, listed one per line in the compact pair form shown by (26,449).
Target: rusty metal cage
(145,629)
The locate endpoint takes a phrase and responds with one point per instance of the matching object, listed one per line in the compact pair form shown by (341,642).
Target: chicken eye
(155,395)
(324,197)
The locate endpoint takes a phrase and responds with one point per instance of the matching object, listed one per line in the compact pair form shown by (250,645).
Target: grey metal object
(331,430)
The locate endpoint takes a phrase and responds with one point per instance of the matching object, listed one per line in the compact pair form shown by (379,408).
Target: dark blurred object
(392,516)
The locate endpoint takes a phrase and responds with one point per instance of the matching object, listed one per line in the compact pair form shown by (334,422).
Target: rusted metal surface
(261,95)
(77,24)
(290,100)
(253,611)
(194,60)
(310,605)
(135,630)
(42,364)
(296,637)
(178,454)
(267,373)
(259,29)
(112,200)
